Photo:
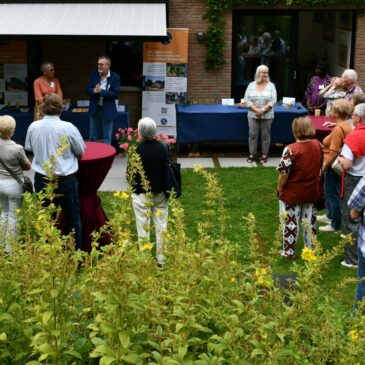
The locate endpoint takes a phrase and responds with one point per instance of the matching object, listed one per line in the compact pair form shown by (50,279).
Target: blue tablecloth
(80,120)
(217,123)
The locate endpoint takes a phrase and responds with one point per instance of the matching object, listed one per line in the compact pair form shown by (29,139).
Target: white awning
(83,19)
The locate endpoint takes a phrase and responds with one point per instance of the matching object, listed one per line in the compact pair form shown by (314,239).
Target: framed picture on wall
(329,24)
(344,20)
(342,55)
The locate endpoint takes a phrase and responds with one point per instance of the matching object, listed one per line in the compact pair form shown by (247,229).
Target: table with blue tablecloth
(79,119)
(223,123)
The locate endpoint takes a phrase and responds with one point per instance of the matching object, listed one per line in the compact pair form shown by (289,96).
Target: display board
(13,73)
(165,74)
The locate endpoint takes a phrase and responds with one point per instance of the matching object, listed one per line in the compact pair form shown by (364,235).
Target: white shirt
(44,137)
(358,164)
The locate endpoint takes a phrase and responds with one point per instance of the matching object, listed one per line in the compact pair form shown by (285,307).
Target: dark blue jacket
(110,94)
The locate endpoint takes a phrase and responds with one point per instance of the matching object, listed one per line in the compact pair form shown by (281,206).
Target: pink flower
(129,137)
(130,129)
(124,146)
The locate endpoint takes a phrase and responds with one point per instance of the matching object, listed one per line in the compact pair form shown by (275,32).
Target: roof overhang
(84,20)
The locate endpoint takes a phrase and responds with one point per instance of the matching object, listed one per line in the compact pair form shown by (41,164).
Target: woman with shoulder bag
(299,186)
(13,161)
(150,201)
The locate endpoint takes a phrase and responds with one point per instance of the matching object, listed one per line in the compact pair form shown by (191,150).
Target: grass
(254,190)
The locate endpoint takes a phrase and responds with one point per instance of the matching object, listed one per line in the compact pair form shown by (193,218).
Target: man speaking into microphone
(104,89)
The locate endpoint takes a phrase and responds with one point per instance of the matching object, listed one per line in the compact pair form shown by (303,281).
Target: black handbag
(26,183)
(172,176)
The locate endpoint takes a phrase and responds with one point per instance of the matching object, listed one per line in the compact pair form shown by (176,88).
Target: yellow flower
(233,280)
(147,246)
(116,194)
(124,195)
(353,335)
(308,254)
(159,213)
(198,167)
(260,280)
(18,210)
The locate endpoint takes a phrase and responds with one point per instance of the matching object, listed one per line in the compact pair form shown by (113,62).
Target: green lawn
(252,190)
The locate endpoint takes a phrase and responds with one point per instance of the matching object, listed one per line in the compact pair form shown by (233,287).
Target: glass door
(264,39)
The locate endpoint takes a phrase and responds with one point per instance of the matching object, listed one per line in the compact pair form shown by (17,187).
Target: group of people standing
(44,137)
(49,136)
(305,163)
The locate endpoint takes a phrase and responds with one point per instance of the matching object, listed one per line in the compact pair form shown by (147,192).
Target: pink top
(42,88)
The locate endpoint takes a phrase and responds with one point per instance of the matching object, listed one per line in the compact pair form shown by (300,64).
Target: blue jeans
(360,292)
(68,199)
(98,123)
(332,186)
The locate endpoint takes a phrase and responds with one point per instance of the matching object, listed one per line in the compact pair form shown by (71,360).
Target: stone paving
(115,180)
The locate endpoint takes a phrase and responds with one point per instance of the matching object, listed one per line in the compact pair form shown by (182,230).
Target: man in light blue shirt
(43,138)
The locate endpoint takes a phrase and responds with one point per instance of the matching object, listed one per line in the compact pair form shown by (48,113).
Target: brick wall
(202,83)
(360,51)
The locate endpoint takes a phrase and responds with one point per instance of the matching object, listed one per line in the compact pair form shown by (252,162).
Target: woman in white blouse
(260,98)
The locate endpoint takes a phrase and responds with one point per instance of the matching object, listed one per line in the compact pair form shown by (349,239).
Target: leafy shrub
(215,301)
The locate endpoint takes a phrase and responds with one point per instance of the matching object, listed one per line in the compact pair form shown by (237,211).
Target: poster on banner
(165,73)
(13,73)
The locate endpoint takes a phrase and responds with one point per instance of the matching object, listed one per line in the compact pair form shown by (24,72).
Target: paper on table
(227,101)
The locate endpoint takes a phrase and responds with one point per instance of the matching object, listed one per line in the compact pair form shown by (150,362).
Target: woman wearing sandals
(260,98)
(299,186)
(12,158)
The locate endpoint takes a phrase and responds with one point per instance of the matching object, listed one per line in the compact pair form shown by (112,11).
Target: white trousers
(156,206)
(10,200)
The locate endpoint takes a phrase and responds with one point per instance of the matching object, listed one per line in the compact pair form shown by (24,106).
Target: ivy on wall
(215,31)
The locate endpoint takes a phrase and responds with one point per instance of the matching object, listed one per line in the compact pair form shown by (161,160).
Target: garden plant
(216,301)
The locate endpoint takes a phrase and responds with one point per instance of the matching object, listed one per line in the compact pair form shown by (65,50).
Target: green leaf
(182,351)
(74,354)
(43,357)
(107,360)
(54,293)
(124,339)
(6,317)
(257,352)
(45,348)
(3,336)
(35,291)
(132,359)
(46,317)
(33,362)
(178,327)
(200,328)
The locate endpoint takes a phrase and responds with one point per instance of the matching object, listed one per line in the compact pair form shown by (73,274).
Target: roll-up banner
(165,74)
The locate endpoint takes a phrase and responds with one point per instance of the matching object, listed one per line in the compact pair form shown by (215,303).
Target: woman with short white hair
(260,98)
(12,162)
(150,201)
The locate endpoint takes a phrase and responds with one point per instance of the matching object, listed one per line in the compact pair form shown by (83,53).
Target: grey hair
(45,65)
(351,74)
(258,70)
(106,58)
(360,111)
(147,128)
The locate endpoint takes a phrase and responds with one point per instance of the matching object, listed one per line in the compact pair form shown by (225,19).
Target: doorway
(290,43)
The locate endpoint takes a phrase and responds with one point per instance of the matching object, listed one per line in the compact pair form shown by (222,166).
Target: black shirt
(153,157)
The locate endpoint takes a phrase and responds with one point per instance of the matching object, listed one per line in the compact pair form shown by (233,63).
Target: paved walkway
(115,180)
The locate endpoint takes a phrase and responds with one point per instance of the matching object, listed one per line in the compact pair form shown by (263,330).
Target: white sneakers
(327,228)
(347,264)
(323,218)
